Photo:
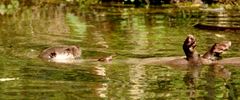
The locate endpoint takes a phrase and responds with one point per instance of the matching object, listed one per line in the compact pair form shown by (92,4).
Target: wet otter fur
(216,50)
(60,53)
(192,57)
(213,54)
(189,48)
(189,45)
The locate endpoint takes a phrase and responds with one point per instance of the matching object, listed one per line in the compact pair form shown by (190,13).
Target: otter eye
(225,49)
(222,49)
(67,49)
(52,55)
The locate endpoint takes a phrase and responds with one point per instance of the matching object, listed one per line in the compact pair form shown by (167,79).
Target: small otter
(60,53)
(189,46)
(106,59)
(216,50)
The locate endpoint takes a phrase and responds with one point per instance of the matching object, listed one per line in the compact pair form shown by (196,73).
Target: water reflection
(102,89)
(137,82)
(214,73)
(8,79)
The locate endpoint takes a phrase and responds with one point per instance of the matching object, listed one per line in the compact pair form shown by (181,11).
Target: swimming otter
(106,59)
(60,53)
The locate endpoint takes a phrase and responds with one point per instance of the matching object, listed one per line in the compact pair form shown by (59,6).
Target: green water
(124,32)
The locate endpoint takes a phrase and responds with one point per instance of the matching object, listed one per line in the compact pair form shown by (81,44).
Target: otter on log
(216,50)
(212,54)
(189,48)
(191,55)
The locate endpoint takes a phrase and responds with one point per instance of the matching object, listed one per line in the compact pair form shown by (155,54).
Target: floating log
(216,27)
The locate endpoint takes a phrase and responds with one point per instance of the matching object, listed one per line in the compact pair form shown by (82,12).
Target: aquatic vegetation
(9,8)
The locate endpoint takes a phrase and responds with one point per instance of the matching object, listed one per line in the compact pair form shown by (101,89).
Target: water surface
(125,32)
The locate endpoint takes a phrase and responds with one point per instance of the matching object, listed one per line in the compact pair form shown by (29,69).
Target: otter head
(219,48)
(61,53)
(189,46)
(73,50)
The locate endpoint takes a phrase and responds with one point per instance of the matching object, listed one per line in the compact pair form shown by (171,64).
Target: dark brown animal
(191,55)
(216,50)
